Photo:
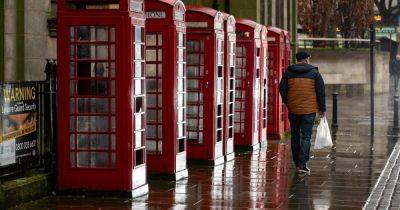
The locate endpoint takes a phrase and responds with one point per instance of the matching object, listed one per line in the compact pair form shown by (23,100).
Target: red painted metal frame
(229,74)
(205,25)
(248,73)
(125,175)
(288,56)
(171,159)
(276,108)
(264,87)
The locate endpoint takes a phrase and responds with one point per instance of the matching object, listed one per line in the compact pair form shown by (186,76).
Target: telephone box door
(90,150)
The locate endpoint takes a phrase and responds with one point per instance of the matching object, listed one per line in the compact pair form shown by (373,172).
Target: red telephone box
(264,87)
(205,84)
(166,87)
(229,74)
(287,63)
(248,75)
(276,108)
(101,98)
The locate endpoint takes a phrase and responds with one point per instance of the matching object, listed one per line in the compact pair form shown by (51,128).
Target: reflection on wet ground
(341,177)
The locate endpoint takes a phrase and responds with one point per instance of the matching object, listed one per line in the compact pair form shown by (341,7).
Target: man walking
(395,73)
(303,92)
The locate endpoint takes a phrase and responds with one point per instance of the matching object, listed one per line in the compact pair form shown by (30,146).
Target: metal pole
(293,30)
(51,73)
(372,76)
(335,111)
(396,113)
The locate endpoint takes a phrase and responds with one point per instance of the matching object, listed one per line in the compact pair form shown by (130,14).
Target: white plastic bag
(323,138)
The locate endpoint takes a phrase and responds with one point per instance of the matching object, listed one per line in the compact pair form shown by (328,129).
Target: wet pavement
(341,177)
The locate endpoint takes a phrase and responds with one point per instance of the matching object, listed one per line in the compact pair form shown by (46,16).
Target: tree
(315,16)
(387,11)
(351,17)
(354,17)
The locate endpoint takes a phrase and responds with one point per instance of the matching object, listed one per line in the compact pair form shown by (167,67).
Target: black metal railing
(44,159)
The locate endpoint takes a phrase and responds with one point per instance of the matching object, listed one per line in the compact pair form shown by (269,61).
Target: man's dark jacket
(395,68)
(303,90)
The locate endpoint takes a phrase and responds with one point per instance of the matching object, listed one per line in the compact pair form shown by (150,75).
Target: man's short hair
(302,56)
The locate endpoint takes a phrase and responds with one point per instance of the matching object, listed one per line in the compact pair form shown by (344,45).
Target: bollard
(396,112)
(335,111)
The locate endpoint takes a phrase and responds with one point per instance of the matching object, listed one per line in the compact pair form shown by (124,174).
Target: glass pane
(151,85)
(181,70)
(151,100)
(138,34)
(138,139)
(138,51)
(92,141)
(181,85)
(138,87)
(159,58)
(151,70)
(151,131)
(159,37)
(139,104)
(138,69)
(151,55)
(151,146)
(93,123)
(93,51)
(151,40)
(138,122)
(181,115)
(71,124)
(181,132)
(92,105)
(151,115)
(181,100)
(72,141)
(93,87)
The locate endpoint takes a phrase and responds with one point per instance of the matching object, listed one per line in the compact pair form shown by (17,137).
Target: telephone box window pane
(139,104)
(151,70)
(72,141)
(138,34)
(138,87)
(72,69)
(92,105)
(151,115)
(72,159)
(159,39)
(92,141)
(181,115)
(180,40)
(159,54)
(181,70)
(93,87)
(151,85)
(92,51)
(72,106)
(138,139)
(151,131)
(181,55)
(151,40)
(138,69)
(181,85)
(138,122)
(71,124)
(112,34)
(151,146)
(138,51)
(151,55)
(181,130)
(92,123)
(151,100)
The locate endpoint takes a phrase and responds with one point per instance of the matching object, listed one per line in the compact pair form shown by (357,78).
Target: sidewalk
(341,178)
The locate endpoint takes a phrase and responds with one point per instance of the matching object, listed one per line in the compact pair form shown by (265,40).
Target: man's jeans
(301,128)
